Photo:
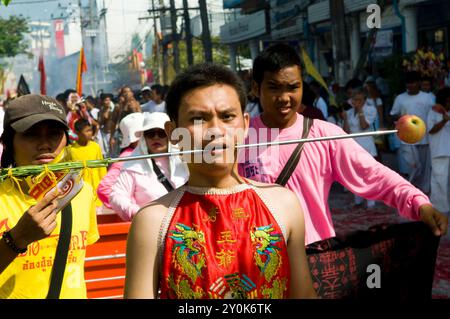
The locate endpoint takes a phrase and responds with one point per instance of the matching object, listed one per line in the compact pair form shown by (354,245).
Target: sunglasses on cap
(152,133)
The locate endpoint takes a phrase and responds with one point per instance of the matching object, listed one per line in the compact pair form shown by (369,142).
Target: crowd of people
(195,223)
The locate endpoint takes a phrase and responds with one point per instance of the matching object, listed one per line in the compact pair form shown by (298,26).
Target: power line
(30,2)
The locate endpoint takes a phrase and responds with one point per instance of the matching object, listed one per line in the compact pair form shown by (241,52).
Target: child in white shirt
(439,135)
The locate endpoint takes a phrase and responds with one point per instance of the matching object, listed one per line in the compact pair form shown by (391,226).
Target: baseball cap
(27,110)
(154,120)
(130,126)
(146,88)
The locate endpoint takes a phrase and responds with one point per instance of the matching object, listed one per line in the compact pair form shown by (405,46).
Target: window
(439,36)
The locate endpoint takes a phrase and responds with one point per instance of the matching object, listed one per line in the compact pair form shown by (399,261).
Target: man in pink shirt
(277,81)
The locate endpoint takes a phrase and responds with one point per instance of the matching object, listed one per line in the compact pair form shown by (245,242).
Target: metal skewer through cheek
(65,166)
(287,142)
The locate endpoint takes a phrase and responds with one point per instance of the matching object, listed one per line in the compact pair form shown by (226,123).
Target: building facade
(334,38)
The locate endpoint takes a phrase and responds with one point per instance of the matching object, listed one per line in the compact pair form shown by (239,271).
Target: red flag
(59,38)
(41,68)
(82,68)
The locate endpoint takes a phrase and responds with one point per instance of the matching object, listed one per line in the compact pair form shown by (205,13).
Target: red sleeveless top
(223,243)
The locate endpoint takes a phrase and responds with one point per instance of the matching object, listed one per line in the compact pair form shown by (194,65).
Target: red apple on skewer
(411,129)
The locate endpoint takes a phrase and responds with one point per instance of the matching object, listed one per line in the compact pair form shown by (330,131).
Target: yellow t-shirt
(93,176)
(28,276)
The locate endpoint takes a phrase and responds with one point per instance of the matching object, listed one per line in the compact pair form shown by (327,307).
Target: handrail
(115,256)
(110,297)
(104,279)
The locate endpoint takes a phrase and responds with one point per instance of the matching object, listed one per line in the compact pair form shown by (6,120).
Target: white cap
(154,120)
(131,128)
(369,79)
(146,88)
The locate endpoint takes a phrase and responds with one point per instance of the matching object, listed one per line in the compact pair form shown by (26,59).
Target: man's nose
(284,96)
(43,142)
(215,128)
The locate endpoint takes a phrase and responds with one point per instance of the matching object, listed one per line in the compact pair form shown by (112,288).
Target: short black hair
(442,95)
(91,99)
(308,96)
(159,89)
(81,124)
(60,97)
(202,75)
(273,59)
(315,84)
(68,92)
(103,96)
(353,84)
(411,77)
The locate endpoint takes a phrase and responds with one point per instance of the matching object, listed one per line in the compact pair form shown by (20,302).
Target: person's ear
(246,124)
(169,127)
(255,88)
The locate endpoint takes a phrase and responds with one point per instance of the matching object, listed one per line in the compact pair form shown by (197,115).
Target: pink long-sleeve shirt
(104,188)
(321,164)
(132,190)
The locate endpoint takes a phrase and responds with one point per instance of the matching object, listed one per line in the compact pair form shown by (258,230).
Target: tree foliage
(12,32)
(5,2)
(220,55)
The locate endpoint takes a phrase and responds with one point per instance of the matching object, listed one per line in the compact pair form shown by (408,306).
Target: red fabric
(213,246)
(41,69)
(59,38)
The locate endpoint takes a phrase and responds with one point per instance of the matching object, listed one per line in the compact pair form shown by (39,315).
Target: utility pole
(206,35)
(173,22)
(340,44)
(94,29)
(160,13)
(103,16)
(165,60)
(188,37)
(156,54)
(368,44)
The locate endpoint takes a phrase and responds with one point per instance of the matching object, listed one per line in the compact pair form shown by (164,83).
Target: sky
(122,18)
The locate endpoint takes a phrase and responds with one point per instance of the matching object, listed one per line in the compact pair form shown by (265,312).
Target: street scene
(216,149)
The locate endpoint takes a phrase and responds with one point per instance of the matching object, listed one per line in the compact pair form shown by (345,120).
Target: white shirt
(367,142)
(322,105)
(151,107)
(94,112)
(419,104)
(439,142)
(433,97)
(374,102)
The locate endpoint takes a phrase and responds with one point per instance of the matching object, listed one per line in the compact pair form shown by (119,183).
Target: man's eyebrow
(196,111)
(227,109)
(275,82)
